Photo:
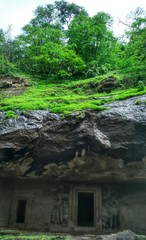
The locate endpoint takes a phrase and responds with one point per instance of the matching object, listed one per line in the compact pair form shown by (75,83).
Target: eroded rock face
(7,82)
(12,86)
(94,146)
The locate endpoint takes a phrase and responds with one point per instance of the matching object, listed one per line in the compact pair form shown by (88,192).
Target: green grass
(22,235)
(33,237)
(65,97)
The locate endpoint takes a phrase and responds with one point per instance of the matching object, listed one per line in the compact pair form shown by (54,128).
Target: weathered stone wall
(124,206)
(48,205)
(6,193)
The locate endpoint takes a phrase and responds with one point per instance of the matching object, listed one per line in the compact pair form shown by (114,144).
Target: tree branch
(124,23)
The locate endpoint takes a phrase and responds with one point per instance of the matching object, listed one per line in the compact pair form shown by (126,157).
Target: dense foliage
(133,56)
(62,41)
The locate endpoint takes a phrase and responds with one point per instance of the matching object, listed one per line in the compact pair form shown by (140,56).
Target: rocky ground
(125,235)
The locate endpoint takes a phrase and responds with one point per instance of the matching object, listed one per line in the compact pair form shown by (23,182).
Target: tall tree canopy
(94,41)
(63,41)
(60,14)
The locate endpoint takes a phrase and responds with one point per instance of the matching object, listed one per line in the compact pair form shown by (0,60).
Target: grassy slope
(65,97)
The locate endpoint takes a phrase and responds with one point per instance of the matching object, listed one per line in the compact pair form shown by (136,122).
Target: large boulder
(124,235)
(108,84)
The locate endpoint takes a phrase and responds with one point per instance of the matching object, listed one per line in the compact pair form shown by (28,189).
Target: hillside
(65,97)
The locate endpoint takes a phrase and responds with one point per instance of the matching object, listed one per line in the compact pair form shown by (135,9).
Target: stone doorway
(85,208)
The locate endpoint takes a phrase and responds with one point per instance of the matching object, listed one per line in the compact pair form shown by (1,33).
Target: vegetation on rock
(68,96)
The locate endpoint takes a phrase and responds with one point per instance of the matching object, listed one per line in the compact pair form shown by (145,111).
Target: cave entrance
(85,209)
(21,210)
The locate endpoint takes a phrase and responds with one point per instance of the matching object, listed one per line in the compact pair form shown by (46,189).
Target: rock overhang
(106,145)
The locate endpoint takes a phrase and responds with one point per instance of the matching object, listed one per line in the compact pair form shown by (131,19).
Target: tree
(7,53)
(66,12)
(58,14)
(57,61)
(135,48)
(94,41)
(44,52)
(44,16)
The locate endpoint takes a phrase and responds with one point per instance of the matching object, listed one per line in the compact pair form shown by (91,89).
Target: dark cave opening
(85,211)
(21,210)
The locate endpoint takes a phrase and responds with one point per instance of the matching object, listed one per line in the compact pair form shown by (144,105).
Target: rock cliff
(85,146)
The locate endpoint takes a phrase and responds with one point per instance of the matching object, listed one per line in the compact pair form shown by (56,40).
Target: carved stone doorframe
(15,200)
(74,207)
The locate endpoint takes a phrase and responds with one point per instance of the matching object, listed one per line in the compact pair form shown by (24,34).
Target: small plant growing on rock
(140,86)
(138,102)
(10,114)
